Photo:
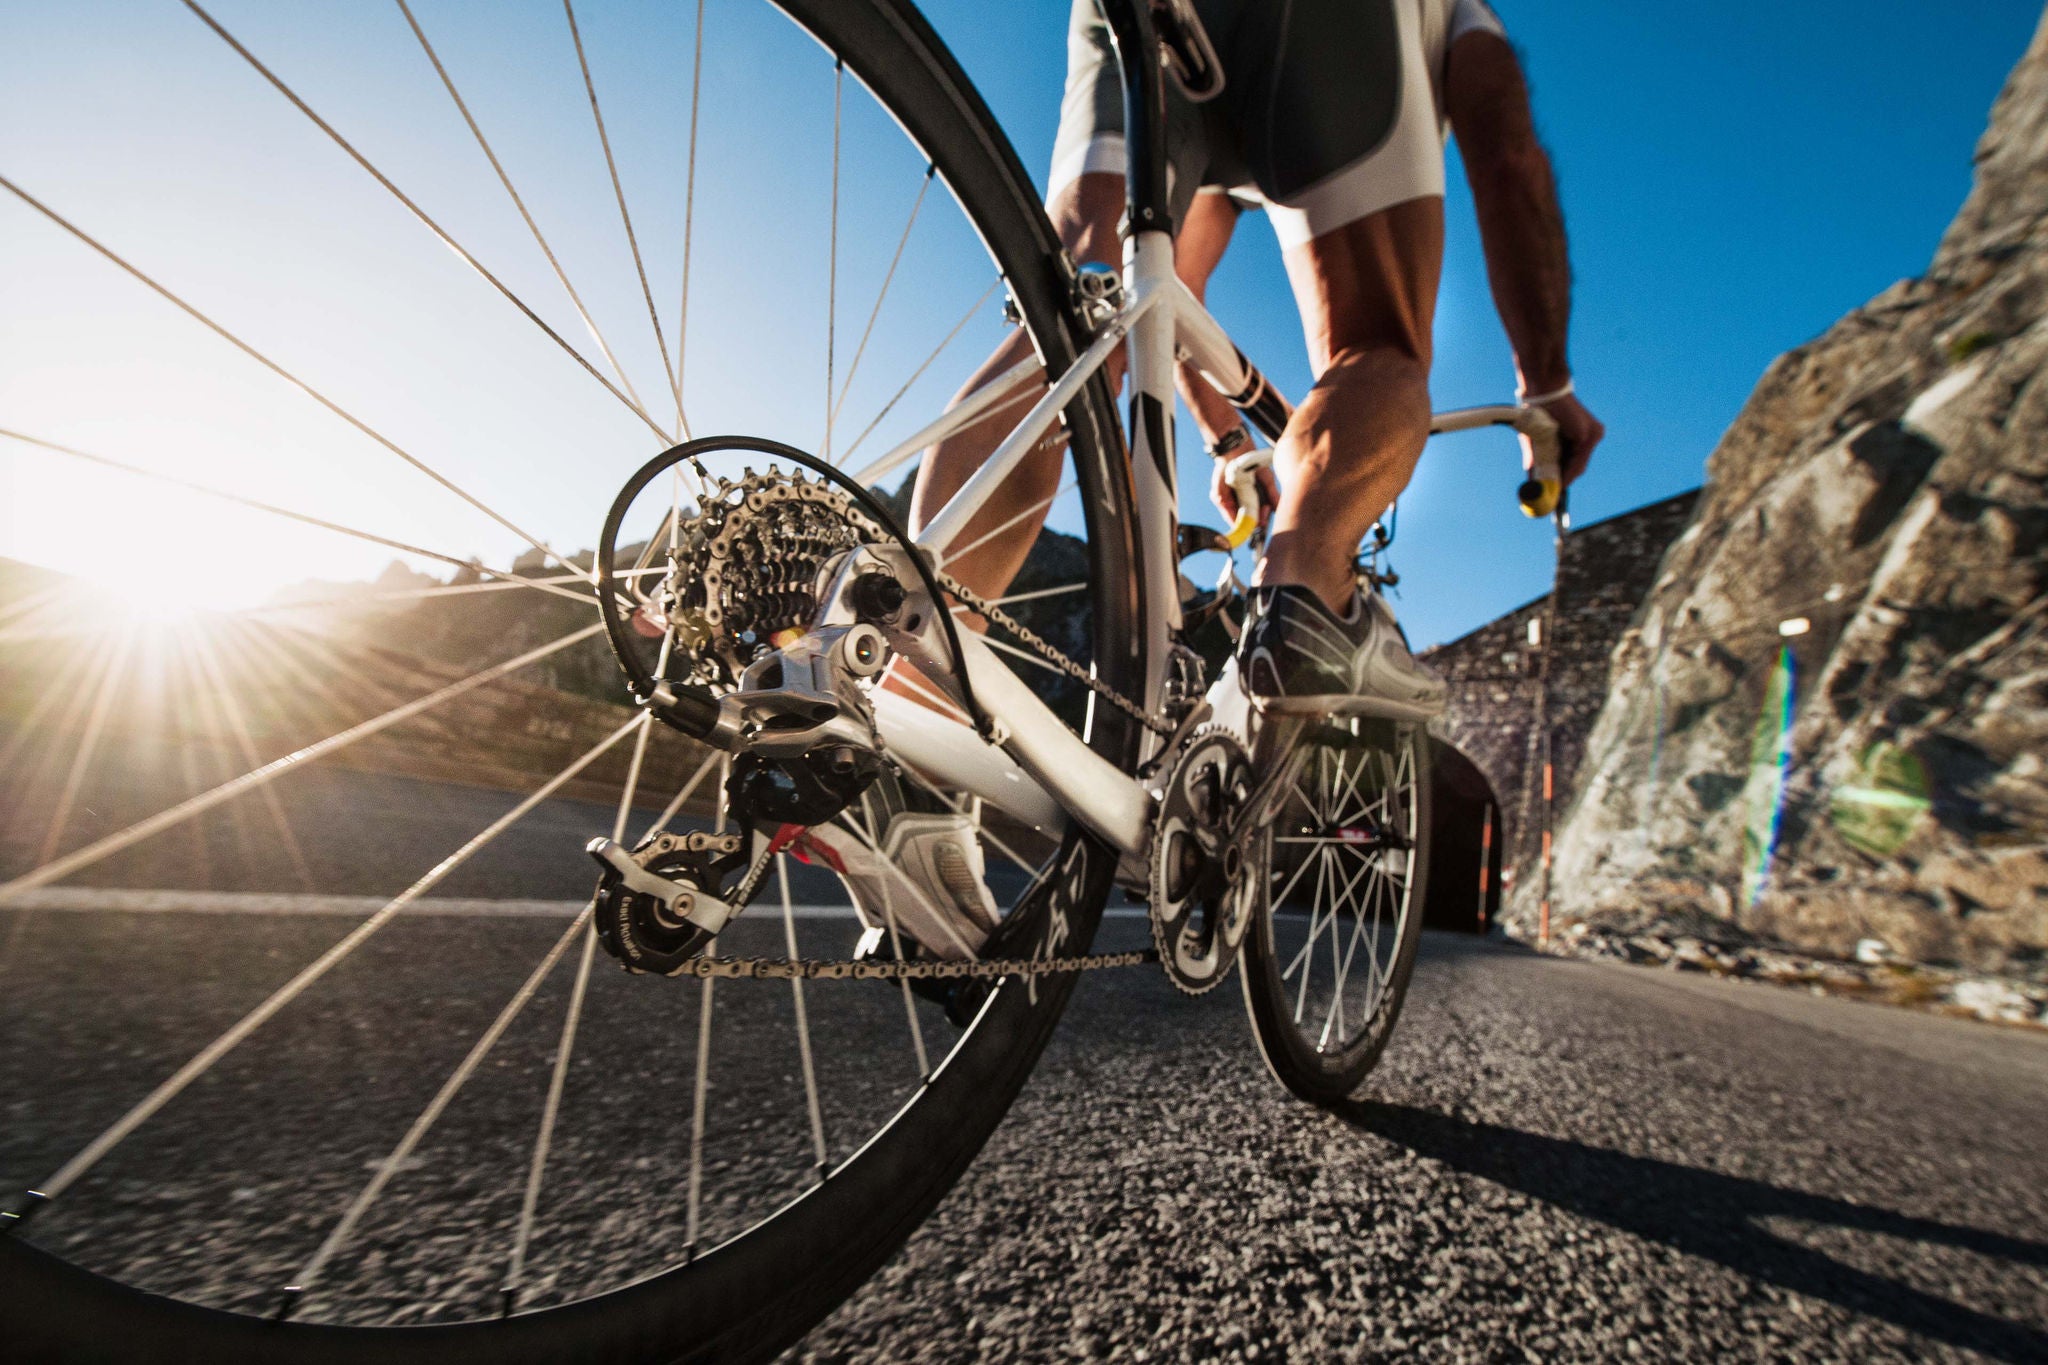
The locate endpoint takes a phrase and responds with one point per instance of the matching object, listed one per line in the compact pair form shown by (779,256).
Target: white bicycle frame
(1041,769)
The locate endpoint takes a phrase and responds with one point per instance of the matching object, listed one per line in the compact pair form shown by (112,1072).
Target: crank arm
(1279,736)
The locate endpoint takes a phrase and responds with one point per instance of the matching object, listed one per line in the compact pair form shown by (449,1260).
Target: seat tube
(1148,269)
(1148,265)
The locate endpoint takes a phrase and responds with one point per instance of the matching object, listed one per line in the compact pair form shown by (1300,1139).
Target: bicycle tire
(1319,1075)
(761,1291)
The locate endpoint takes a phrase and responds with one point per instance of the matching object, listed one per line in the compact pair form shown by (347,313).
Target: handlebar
(1540,494)
(1542,489)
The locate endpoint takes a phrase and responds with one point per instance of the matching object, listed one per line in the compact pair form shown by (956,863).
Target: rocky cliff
(1829,722)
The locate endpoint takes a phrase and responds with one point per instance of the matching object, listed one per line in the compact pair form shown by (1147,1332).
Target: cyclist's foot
(1298,656)
(925,870)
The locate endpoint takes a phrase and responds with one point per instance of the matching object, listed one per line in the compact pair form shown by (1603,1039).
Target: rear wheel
(731,1257)
(1334,934)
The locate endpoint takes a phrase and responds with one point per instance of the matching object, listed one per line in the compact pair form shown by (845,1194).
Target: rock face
(1829,722)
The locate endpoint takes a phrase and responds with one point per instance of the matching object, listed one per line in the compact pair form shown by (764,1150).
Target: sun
(164,554)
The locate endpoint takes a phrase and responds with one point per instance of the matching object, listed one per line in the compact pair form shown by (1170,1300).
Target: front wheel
(1339,916)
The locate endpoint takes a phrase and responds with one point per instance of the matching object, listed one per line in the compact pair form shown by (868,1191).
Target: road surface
(1559,1160)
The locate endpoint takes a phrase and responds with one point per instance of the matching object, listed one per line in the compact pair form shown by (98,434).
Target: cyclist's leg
(1086,213)
(1367,295)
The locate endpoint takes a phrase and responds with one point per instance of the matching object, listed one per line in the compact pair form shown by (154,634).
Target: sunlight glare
(164,554)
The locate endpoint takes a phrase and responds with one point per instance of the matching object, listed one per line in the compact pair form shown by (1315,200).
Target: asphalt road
(1559,1160)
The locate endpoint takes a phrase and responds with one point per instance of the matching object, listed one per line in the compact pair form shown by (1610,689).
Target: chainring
(1201,893)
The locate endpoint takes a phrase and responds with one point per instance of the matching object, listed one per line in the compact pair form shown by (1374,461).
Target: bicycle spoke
(1037,510)
(689,207)
(917,892)
(1303,959)
(888,278)
(1344,968)
(611,165)
(1026,655)
(426,221)
(832,259)
(301,385)
(924,1069)
(431,1115)
(291,990)
(695,1197)
(980,828)
(926,364)
(510,579)
(668,812)
(1376,975)
(941,703)
(924,1066)
(1277,900)
(1320,908)
(575,299)
(270,772)
(398,595)
(1340,967)
(1037,593)
(803,1023)
(551,1108)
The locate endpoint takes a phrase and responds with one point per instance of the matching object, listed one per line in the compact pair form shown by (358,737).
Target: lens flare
(1770,759)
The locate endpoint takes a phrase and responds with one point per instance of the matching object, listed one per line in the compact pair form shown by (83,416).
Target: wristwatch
(1230,443)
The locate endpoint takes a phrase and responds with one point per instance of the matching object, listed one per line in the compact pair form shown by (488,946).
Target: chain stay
(811,969)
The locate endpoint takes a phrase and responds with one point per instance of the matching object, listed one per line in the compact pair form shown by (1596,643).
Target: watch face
(1231,443)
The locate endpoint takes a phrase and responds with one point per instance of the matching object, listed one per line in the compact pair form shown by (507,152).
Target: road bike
(769,608)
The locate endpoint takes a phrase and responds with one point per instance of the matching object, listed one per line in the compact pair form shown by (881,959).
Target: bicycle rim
(748,1288)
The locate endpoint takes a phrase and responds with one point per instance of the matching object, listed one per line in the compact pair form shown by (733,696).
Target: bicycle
(778,600)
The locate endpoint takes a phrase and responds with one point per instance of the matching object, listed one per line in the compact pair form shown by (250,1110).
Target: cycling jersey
(1331,110)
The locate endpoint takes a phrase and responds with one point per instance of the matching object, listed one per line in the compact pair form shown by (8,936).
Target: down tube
(1148,265)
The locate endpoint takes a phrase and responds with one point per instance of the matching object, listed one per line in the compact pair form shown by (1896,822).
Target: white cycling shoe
(929,876)
(1298,656)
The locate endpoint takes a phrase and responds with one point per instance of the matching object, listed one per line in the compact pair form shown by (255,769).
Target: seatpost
(1149,207)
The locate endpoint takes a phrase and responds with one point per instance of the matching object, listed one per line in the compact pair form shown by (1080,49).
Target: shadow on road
(1714,1216)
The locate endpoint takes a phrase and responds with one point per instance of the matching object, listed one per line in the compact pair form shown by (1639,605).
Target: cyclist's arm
(1520,223)
(1515,194)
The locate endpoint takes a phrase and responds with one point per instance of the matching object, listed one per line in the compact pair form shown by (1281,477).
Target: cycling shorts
(1332,110)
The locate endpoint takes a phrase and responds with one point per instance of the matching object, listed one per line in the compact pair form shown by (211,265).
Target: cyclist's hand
(1578,432)
(1225,497)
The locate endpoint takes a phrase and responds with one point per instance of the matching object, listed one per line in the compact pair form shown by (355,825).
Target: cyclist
(1332,119)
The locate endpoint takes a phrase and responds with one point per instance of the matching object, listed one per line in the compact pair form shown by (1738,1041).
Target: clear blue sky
(1736,177)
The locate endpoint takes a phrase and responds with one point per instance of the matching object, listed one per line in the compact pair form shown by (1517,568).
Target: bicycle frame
(1042,768)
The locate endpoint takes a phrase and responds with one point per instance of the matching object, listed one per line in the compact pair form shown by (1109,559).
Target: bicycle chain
(848,969)
(1051,653)
(815,969)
